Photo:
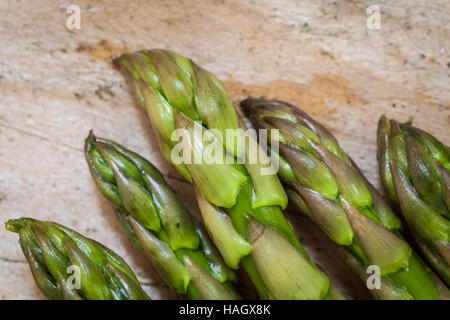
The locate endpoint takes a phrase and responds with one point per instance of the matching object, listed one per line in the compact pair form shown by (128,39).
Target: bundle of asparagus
(328,186)
(241,206)
(241,201)
(414,169)
(69,266)
(157,222)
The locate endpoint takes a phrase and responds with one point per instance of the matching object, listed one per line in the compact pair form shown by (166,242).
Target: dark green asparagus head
(135,187)
(314,165)
(156,220)
(165,82)
(414,169)
(178,94)
(315,158)
(67,265)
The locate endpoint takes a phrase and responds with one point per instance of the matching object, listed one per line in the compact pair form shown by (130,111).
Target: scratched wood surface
(56,84)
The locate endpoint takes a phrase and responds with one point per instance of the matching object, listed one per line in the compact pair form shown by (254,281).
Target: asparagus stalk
(414,169)
(241,207)
(327,185)
(157,222)
(69,266)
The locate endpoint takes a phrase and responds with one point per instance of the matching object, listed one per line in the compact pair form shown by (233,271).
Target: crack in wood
(35,135)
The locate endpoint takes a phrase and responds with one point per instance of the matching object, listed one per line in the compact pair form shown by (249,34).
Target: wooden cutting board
(56,84)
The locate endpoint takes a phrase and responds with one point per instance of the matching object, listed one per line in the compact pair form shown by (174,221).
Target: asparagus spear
(327,185)
(414,169)
(157,222)
(241,207)
(69,266)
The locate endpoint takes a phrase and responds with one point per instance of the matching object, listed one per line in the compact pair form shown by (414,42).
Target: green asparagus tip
(90,140)
(14,225)
(118,61)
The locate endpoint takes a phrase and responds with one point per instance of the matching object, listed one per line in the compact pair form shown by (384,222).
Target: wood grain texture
(56,84)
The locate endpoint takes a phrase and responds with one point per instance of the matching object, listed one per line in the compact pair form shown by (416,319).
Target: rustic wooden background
(56,84)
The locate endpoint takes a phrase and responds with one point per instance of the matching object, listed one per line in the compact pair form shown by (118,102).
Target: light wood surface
(56,84)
